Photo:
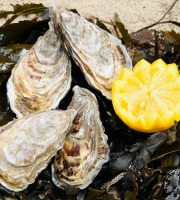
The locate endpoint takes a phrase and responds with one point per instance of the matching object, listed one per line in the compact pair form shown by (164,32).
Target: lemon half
(147,98)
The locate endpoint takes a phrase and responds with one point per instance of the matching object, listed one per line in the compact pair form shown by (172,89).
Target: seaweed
(102,25)
(22,10)
(141,166)
(151,45)
(6,115)
(99,23)
(11,33)
(18,32)
(168,148)
(125,35)
(74,11)
(9,56)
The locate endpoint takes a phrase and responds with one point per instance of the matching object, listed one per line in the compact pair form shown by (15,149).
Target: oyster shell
(85,149)
(28,144)
(99,54)
(41,78)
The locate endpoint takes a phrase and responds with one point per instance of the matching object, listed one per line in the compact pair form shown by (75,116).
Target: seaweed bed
(141,166)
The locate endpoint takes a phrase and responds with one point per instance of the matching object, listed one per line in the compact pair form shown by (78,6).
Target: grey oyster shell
(28,144)
(41,78)
(85,149)
(99,54)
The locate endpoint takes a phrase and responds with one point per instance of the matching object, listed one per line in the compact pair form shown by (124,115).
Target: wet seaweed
(125,35)
(22,10)
(9,56)
(141,166)
(102,25)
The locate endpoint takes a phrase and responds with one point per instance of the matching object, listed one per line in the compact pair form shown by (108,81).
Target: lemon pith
(147,98)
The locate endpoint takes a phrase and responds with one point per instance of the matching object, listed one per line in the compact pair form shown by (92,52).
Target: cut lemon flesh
(147,98)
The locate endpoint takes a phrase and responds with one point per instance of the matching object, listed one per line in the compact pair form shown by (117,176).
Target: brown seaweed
(22,10)
(125,35)
(151,171)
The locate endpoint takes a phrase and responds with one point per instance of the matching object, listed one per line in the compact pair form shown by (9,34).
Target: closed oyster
(85,149)
(41,78)
(28,144)
(99,54)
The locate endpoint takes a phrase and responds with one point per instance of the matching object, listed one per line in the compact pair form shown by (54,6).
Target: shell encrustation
(85,149)
(99,54)
(28,144)
(41,78)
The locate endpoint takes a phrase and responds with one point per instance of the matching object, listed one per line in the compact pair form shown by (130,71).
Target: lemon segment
(129,76)
(147,98)
(172,72)
(142,70)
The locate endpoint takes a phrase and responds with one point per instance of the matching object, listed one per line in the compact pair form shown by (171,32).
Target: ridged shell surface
(99,54)
(85,149)
(41,78)
(28,144)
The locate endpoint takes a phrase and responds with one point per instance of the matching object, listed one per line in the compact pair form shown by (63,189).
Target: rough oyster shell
(99,54)
(28,144)
(85,149)
(41,78)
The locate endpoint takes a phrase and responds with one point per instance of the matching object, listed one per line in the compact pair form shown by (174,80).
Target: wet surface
(150,164)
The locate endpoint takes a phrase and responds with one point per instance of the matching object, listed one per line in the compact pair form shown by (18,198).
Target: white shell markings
(99,55)
(42,76)
(85,149)
(28,144)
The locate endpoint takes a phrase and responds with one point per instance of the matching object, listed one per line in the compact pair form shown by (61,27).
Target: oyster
(99,54)
(85,149)
(41,78)
(28,144)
